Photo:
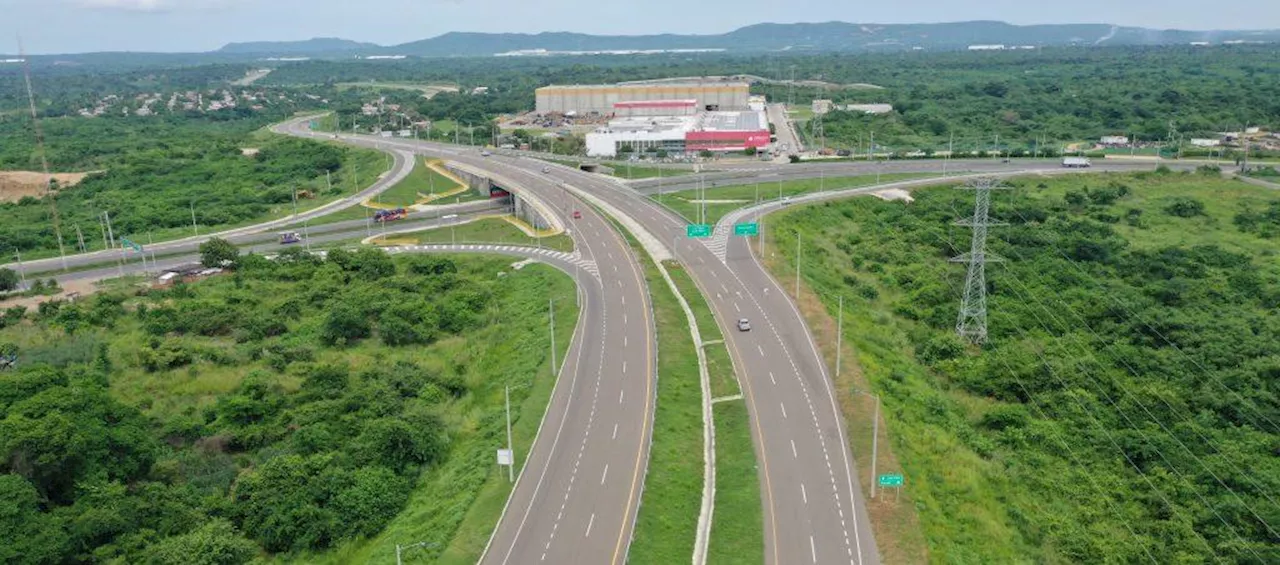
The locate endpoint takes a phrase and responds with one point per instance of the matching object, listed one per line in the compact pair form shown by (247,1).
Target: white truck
(1076,162)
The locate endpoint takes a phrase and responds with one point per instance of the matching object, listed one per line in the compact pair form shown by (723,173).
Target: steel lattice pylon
(972,323)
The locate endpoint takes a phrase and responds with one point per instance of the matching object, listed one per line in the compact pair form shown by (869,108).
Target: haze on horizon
(76,26)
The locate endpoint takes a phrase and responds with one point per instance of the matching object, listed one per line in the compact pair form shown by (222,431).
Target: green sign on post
(126,243)
(891,480)
(748,230)
(698,230)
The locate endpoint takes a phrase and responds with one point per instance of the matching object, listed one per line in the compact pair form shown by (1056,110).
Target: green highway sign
(126,243)
(891,480)
(746,229)
(698,230)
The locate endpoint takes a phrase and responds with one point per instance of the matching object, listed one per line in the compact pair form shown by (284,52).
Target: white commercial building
(705,131)
(1114,140)
(600,99)
(1205,142)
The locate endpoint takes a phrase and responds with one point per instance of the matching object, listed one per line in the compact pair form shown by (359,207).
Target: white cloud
(127,5)
(153,6)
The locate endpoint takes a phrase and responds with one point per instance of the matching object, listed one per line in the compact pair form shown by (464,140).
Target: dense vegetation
(290,406)
(154,172)
(1125,408)
(1058,94)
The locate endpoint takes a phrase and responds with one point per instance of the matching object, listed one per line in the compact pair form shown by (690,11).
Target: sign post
(698,230)
(747,229)
(891,480)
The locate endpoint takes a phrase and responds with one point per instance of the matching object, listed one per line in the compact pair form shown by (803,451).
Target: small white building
(996,47)
(870,108)
(1114,140)
(822,106)
(1205,142)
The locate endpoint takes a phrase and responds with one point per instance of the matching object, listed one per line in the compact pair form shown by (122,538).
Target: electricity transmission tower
(972,324)
(819,132)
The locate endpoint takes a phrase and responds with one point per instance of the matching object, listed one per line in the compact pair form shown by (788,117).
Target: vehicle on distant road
(1076,162)
(390,215)
(577,215)
(744,325)
(289,237)
(485,153)
(546,169)
(786,200)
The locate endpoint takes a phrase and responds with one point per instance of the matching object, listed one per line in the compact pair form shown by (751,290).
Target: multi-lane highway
(813,507)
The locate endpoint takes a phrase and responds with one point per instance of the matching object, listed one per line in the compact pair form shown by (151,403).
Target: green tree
(218,252)
(8,280)
(30,536)
(344,324)
(214,543)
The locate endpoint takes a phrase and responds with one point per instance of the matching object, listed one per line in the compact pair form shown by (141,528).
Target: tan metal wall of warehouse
(585,99)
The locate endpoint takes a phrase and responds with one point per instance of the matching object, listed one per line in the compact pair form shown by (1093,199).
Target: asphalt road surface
(767,173)
(578,494)
(261,240)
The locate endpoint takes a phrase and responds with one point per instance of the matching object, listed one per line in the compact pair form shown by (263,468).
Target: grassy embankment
(969,481)
(486,230)
(457,504)
(736,196)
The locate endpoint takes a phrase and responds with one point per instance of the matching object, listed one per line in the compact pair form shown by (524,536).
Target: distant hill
(826,37)
(319,45)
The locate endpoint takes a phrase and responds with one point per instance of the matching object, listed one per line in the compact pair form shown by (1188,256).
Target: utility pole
(511,469)
(22,271)
(80,237)
(797,267)
(972,322)
(551,310)
(111,234)
(951,149)
(195,228)
(839,335)
(875,440)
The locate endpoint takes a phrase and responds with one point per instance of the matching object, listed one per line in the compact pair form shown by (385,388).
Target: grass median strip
(737,534)
(668,516)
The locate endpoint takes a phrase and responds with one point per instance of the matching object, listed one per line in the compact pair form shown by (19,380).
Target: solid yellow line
(648,399)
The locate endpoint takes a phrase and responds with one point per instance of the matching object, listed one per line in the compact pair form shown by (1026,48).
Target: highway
(263,241)
(813,507)
(768,173)
(578,494)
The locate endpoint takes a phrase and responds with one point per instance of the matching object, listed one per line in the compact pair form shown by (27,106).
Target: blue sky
(70,26)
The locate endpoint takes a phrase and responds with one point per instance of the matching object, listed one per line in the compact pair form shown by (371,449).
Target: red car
(577,215)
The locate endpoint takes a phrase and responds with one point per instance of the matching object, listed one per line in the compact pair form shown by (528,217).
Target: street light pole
(839,335)
(511,469)
(797,267)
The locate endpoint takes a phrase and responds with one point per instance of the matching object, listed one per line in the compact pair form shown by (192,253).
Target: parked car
(744,325)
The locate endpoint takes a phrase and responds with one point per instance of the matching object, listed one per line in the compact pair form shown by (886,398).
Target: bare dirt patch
(14,185)
(250,151)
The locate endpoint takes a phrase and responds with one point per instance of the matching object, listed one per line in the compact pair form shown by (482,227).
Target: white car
(744,325)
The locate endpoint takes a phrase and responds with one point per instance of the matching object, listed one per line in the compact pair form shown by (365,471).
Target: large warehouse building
(682,134)
(601,99)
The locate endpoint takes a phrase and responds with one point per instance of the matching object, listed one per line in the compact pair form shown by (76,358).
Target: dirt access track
(16,184)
